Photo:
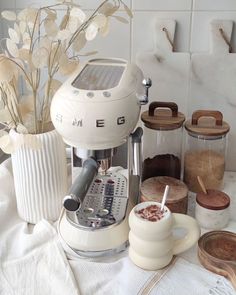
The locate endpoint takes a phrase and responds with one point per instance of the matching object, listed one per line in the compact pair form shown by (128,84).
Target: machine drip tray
(96,255)
(104,205)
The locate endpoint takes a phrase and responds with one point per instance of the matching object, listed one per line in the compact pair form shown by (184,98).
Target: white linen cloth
(122,277)
(43,269)
(32,262)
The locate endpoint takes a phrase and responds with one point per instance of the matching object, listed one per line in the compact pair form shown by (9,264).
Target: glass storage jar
(162,140)
(205,149)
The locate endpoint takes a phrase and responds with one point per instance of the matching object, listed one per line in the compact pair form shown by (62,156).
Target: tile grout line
(131,32)
(183,10)
(191,25)
(189,45)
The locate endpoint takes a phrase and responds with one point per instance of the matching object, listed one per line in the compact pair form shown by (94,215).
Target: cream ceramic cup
(152,244)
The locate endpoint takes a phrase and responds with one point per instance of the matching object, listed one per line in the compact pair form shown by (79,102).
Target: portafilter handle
(79,188)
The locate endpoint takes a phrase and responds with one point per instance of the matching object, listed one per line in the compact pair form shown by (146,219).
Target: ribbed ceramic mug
(152,244)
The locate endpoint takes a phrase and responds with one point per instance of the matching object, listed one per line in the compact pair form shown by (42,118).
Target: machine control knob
(71,203)
(106,93)
(76,92)
(90,94)
(147,83)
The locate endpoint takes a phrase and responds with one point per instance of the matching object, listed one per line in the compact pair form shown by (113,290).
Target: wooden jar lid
(207,123)
(163,116)
(152,189)
(214,200)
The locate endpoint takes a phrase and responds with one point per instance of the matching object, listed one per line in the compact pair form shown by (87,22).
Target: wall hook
(164,36)
(168,38)
(227,41)
(220,36)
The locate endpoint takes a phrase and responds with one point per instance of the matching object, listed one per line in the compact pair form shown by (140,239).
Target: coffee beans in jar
(162,140)
(162,165)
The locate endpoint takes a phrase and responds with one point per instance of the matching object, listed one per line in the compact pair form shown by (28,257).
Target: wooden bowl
(217,253)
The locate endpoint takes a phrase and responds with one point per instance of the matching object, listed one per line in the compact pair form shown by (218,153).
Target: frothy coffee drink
(151,213)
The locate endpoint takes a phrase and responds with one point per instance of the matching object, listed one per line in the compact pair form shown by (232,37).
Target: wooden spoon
(201,183)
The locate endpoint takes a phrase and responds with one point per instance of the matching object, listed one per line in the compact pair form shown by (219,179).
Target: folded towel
(122,277)
(42,267)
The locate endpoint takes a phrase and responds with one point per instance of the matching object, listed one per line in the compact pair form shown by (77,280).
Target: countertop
(118,277)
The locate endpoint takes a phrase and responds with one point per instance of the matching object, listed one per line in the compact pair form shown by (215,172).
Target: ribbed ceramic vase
(40,177)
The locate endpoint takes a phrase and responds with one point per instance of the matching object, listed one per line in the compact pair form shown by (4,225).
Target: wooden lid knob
(207,123)
(163,116)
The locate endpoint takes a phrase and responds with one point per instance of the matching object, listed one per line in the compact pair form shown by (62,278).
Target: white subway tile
(92,4)
(162,4)
(21,4)
(85,4)
(7,4)
(115,44)
(214,5)
(5,25)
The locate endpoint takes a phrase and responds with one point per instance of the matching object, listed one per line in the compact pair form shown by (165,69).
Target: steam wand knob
(71,203)
(147,83)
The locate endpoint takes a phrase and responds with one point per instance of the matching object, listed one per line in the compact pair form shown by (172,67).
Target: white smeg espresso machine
(96,111)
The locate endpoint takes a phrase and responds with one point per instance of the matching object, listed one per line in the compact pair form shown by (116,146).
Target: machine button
(97,180)
(103,212)
(90,94)
(110,181)
(106,93)
(88,210)
(76,92)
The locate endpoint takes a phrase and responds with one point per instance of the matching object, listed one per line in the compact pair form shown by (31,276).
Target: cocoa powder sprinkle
(151,213)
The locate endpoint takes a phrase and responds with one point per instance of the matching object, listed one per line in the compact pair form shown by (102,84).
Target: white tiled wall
(126,40)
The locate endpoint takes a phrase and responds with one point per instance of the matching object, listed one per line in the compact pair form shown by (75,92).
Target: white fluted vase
(40,177)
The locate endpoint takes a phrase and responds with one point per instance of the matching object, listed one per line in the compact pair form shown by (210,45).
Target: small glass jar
(162,140)
(205,150)
(212,209)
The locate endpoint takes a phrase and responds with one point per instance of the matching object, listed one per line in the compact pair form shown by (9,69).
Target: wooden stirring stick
(201,183)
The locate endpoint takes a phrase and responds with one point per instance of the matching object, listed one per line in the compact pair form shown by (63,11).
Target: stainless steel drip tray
(105,204)
(105,254)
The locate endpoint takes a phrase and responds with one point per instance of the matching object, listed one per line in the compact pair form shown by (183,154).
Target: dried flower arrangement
(39,48)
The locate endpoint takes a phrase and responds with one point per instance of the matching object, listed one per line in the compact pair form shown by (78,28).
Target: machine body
(96,111)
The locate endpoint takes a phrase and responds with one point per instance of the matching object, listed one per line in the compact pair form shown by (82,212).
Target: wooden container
(217,253)
(212,209)
(152,189)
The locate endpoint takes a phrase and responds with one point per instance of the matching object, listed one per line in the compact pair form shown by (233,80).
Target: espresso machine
(96,111)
